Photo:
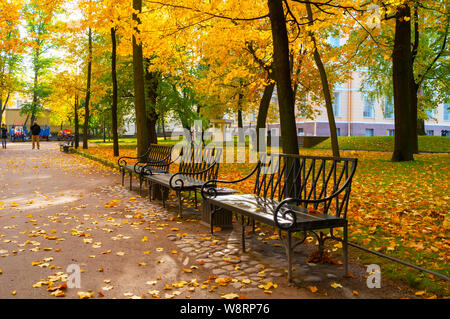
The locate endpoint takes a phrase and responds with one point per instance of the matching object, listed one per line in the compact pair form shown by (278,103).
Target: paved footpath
(59,209)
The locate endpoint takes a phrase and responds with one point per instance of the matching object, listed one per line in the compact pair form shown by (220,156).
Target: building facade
(357,115)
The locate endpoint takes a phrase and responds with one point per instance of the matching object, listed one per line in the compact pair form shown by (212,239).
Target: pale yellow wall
(352,107)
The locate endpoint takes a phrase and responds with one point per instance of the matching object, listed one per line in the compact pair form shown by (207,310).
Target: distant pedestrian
(35,130)
(4,134)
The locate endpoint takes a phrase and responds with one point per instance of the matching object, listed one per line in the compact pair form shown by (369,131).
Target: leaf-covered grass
(399,209)
(439,144)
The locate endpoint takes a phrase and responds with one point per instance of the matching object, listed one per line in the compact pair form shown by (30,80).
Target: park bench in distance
(293,194)
(156,159)
(65,146)
(196,166)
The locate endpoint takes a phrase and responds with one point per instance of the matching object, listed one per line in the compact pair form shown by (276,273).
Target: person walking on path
(35,130)
(4,133)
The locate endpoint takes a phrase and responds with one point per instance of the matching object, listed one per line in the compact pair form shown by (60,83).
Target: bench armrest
(176,181)
(209,188)
(122,162)
(146,171)
(160,163)
(297,201)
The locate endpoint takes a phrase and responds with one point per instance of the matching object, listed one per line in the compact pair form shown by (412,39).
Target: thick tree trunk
(263,111)
(35,87)
(325,88)
(139,88)
(114,95)
(152,81)
(283,77)
(88,93)
(402,74)
(77,126)
(414,115)
(421,127)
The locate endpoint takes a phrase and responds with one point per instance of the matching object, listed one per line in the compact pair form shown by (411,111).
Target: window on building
(391,132)
(430,132)
(368,107)
(388,108)
(300,131)
(338,131)
(430,114)
(369,131)
(19,104)
(447,112)
(337,104)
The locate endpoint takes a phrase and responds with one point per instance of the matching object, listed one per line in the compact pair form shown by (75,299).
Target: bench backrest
(202,162)
(282,176)
(159,154)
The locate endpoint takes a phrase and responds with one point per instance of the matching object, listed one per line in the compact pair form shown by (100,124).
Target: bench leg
(180,204)
(243,233)
(131,181)
(289,254)
(195,198)
(123,176)
(140,184)
(345,248)
(162,196)
(212,211)
(149,192)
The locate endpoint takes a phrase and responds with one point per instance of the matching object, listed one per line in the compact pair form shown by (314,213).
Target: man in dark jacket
(4,133)
(35,130)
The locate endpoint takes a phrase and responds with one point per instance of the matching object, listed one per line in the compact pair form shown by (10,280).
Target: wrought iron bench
(66,146)
(196,166)
(156,159)
(292,194)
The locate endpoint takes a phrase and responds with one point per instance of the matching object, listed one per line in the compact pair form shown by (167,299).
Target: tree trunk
(414,115)
(161,119)
(240,121)
(152,81)
(263,111)
(35,86)
(283,77)
(139,91)
(325,87)
(402,73)
(421,127)
(77,127)
(88,93)
(114,95)
(414,85)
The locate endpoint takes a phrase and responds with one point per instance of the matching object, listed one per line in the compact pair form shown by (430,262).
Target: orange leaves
(223,281)
(85,295)
(113,203)
(313,289)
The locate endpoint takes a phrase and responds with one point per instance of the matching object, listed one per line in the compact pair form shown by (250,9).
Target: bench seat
(163,179)
(138,169)
(263,210)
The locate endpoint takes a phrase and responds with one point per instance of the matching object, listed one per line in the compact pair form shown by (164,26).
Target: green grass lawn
(438,144)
